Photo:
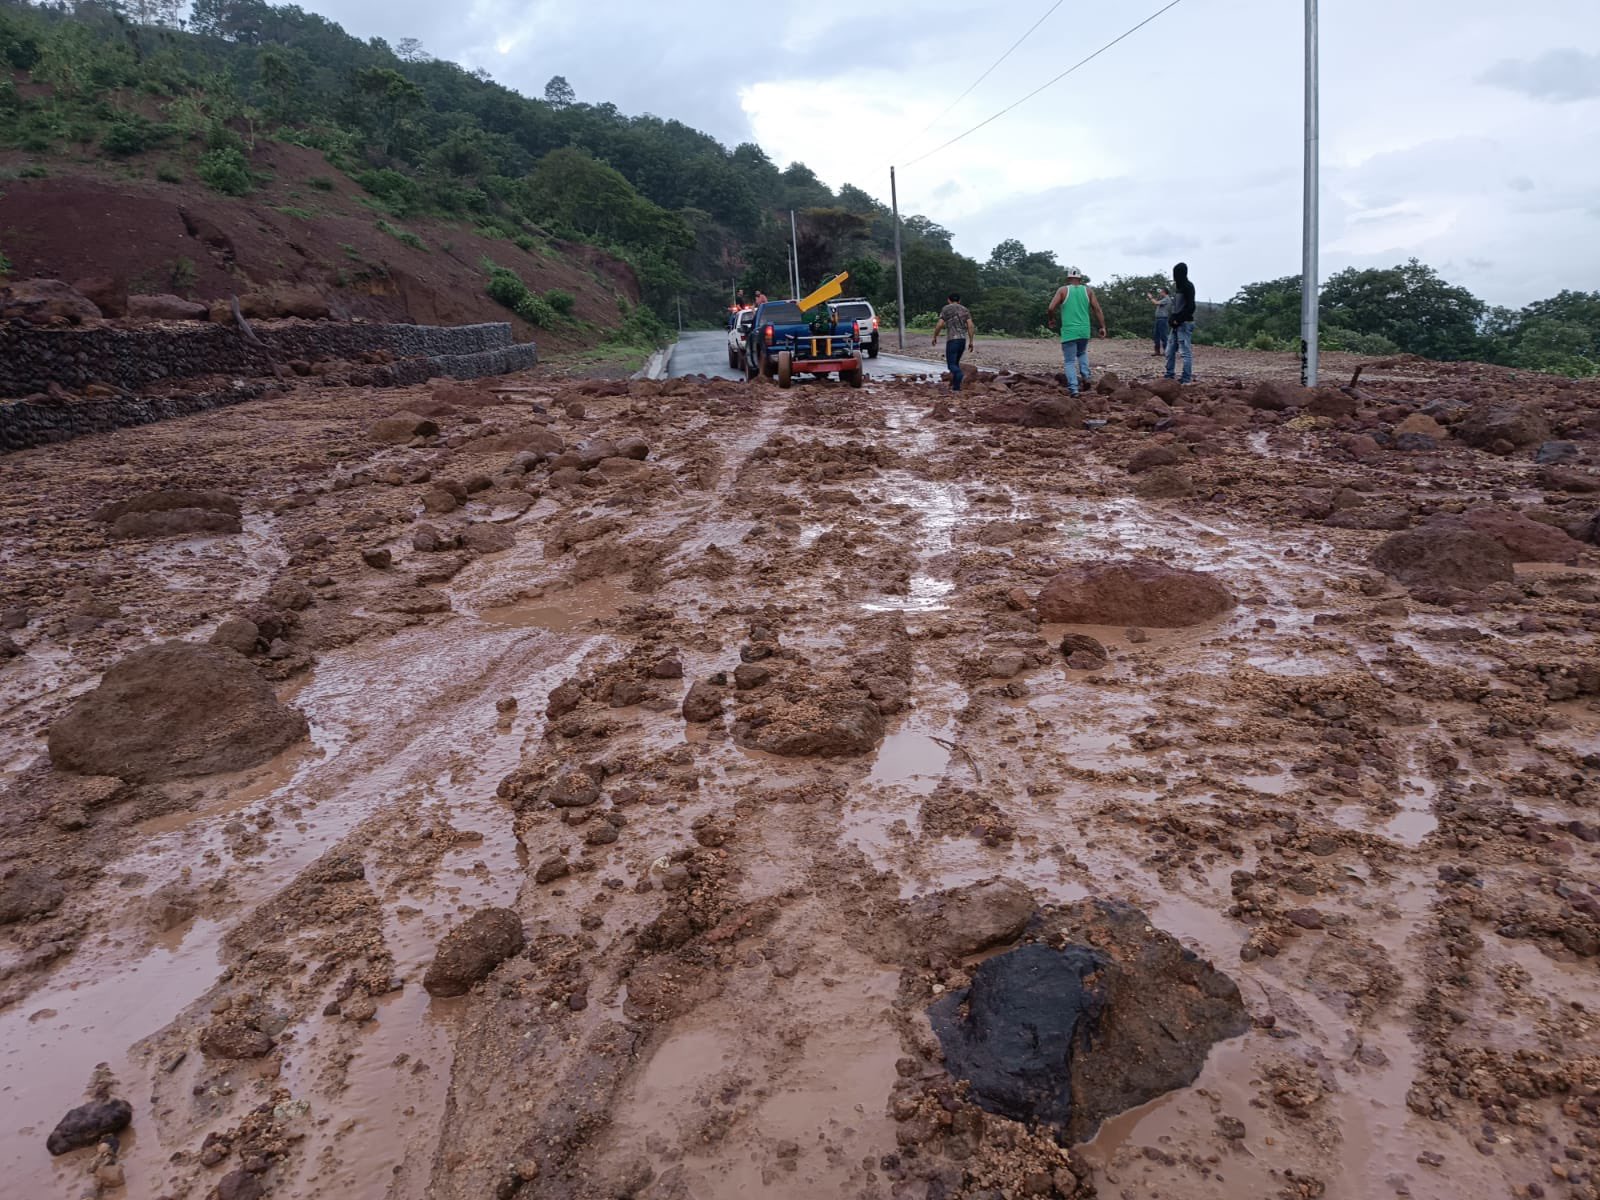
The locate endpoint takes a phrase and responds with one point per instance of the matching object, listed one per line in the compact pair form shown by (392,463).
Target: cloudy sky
(1462,132)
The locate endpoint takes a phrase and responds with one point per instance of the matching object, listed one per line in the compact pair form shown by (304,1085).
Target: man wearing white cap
(1075,302)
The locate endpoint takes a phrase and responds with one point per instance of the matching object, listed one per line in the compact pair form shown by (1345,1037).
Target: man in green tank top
(1076,302)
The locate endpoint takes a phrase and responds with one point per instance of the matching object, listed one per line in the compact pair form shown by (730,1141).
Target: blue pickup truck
(784,342)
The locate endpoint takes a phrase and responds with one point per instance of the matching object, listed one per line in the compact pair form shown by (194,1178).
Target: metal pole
(1308,282)
(794,243)
(899,270)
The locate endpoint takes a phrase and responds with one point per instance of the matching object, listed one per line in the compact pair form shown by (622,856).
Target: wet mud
(713,685)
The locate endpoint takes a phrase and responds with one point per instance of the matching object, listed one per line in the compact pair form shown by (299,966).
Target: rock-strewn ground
(712,688)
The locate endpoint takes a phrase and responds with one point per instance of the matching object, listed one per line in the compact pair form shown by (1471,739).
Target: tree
(1007,255)
(410,50)
(1124,299)
(383,96)
(1410,305)
(558,92)
(922,229)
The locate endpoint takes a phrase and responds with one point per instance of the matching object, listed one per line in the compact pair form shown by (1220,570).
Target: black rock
(1030,1012)
(88,1123)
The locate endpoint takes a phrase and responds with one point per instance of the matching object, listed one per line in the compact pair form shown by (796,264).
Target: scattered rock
(169,906)
(171,513)
(240,1185)
(108,293)
(1491,422)
(237,634)
(1525,539)
(1438,557)
(702,703)
(28,892)
(1090,654)
(747,676)
(473,949)
(572,786)
(1272,395)
(400,429)
(231,1038)
(1138,591)
(551,869)
(377,557)
(171,711)
(488,539)
(87,1124)
(667,667)
(960,921)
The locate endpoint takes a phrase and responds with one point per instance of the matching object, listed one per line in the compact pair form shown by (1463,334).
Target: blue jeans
(954,348)
(1072,350)
(1161,335)
(1182,335)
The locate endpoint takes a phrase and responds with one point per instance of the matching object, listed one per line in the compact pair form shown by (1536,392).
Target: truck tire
(852,376)
(785,368)
(733,358)
(872,349)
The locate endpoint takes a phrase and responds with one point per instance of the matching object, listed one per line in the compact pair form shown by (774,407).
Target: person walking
(1075,302)
(1181,320)
(959,336)
(1163,304)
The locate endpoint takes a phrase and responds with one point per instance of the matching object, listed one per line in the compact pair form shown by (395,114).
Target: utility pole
(899,270)
(794,244)
(1308,281)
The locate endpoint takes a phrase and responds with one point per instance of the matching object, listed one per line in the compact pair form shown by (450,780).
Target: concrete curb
(659,364)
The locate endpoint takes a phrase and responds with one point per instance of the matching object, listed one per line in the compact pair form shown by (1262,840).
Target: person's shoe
(1169,377)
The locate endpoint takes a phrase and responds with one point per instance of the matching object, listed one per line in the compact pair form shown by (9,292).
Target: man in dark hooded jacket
(1182,323)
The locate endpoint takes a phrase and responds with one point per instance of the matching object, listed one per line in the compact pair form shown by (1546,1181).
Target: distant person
(1163,303)
(959,336)
(1075,302)
(1181,320)
(761,298)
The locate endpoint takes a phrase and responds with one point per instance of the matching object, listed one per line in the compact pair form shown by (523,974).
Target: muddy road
(708,684)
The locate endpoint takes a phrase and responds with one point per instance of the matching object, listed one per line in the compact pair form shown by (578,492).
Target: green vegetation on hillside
(427,139)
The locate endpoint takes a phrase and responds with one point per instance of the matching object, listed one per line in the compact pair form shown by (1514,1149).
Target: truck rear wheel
(872,347)
(852,376)
(733,358)
(785,368)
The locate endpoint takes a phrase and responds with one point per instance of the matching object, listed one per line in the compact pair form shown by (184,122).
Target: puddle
(912,759)
(561,611)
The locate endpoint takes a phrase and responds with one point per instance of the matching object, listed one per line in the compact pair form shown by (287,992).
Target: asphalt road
(706,353)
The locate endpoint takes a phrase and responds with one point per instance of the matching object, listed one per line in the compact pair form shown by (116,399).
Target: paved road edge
(658,364)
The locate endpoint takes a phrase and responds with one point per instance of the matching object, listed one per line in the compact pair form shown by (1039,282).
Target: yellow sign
(827,291)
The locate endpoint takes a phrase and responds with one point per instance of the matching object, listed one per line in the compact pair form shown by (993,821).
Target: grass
(402,235)
(290,210)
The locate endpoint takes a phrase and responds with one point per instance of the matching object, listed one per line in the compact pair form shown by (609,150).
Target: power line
(992,66)
(1043,86)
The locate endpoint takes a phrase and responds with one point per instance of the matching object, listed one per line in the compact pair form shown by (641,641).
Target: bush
(562,302)
(226,171)
(1331,337)
(398,193)
(321,182)
(132,135)
(169,174)
(640,327)
(506,287)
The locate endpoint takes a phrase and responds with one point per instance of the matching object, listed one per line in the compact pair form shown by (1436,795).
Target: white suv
(738,332)
(854,308)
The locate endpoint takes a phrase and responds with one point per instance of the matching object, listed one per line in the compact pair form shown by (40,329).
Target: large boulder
(473,949)
(1054,412)
(1133,592)
(171,512)
(284,300)
(108,293)
(28,892)
(44,301)
(827,725)
(175,710)
(1437,556)
(400,429)
(1492,424)
(1525,539)
(1272,395)
(1100,1014)
(166,307)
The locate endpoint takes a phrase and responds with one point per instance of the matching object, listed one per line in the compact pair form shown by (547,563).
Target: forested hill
(240,92)
(133,84)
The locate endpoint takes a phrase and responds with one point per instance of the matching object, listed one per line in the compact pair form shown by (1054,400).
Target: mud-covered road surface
(709,706)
